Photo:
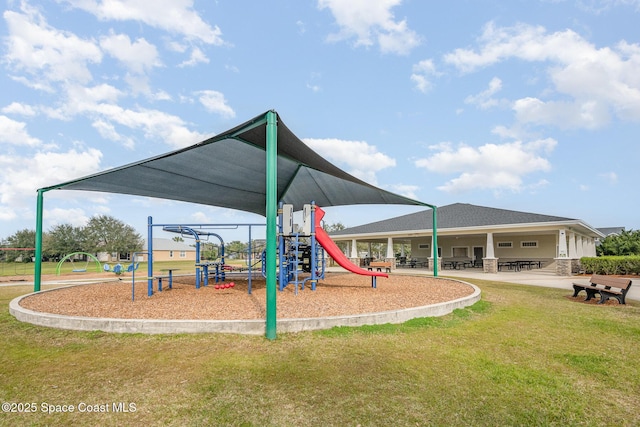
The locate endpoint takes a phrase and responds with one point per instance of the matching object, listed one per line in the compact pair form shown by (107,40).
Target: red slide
(334,251)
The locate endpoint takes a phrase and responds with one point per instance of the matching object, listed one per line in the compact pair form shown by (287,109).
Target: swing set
(77,265)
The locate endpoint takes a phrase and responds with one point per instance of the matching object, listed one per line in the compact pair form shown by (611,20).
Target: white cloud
(154,124)
(599,6)
(361,159)
(173,16)
(566,115)
(592,83)
(48,54)
(406,190)
(215,102)
(422,73)
(73,216)
(197,56)
(485,100)
(108,131)
(138,57)
(491,166)
(15,133)
(22,175)
(20,109)
(371,23)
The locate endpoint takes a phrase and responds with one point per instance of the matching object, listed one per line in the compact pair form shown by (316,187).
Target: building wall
(545,249)
(174,255)
(546,246)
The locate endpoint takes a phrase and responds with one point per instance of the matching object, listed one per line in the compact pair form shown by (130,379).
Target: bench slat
(607,287)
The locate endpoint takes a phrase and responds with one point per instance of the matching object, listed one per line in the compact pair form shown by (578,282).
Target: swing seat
(79,270)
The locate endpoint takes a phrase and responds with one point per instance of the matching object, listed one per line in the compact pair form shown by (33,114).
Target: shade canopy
(229,170)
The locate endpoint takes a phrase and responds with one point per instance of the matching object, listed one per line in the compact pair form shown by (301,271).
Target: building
(478,236)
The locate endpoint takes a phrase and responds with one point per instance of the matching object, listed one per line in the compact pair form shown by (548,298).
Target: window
(460,252)
(505,244)
(183,254)
(170,254)
(424,246)
(529,244)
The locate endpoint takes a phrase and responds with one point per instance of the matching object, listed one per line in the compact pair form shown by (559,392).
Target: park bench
(607,287)
(379,265)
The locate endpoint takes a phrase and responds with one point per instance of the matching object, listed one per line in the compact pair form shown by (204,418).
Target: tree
(625,243)
(21,239)
(329,228)
(104,233)
(236,247)
(64,239)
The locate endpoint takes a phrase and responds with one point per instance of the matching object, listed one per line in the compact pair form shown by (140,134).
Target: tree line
(625,243)
(102,233)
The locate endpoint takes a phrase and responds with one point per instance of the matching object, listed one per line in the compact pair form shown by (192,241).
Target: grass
(523,355)
(26,269)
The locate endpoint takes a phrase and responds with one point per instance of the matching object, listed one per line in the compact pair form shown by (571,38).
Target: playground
(340,294)
(341,297)
(215,293)
(269,171)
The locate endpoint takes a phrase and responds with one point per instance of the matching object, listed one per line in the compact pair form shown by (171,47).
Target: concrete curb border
(246,327)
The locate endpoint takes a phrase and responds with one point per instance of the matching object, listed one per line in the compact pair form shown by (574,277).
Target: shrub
(622,265)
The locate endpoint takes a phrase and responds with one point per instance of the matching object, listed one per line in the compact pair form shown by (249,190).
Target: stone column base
(430,264)
(356,261)
(490,265)
(564,266)
(392,261)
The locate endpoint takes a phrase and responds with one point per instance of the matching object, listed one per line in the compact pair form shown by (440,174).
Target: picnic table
(518,265)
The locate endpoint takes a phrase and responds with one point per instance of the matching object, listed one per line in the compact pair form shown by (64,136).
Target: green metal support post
(435,241)
(271,214)
(37,272)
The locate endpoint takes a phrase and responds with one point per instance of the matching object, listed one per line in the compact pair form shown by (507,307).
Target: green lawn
(523,356)
(26,269)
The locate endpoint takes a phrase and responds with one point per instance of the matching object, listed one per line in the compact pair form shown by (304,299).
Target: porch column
(563,262)
(354,249)
(354,258)
(432,262)
(391,257)
(579,247)
(490,262)
(490,251)
(562,243)
(573,253)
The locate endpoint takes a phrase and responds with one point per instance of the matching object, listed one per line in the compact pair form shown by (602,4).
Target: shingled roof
(457,215)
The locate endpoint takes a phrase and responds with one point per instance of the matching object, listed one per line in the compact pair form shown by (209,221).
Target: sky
(526,105)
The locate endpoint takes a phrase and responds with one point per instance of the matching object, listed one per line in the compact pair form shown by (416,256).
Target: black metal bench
(607,287)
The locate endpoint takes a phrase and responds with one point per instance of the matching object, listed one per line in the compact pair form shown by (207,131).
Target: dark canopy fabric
(229,170)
